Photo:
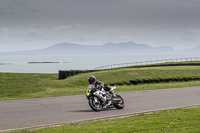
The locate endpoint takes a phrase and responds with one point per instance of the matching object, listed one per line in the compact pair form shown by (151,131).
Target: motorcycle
(99,98)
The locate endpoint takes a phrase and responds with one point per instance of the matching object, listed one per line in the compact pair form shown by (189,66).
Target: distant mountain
(127,47)
(165,48)
(195,50)
(108,48)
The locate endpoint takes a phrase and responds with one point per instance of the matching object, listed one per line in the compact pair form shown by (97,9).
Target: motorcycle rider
(99,85)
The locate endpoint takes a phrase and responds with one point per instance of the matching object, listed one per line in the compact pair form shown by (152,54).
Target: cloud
(12,32)
(15,6)
(127,38)
(191,35)
(69,28)
(59,33)
(92,22)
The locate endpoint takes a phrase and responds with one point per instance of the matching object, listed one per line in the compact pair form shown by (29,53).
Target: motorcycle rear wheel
(95,103)
(120,104)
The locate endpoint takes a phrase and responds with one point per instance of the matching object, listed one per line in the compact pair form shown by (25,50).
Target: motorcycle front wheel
(95,103)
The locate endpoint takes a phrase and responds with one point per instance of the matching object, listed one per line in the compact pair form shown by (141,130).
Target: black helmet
(91,79)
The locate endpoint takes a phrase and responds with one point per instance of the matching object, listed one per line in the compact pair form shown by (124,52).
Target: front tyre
(95,103)
(119,103)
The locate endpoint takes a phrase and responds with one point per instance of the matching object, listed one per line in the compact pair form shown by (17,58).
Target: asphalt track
(40,112)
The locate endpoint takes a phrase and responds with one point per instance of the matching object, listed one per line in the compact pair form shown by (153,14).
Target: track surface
(29,113)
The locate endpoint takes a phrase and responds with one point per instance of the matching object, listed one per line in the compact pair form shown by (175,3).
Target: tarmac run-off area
(40,112)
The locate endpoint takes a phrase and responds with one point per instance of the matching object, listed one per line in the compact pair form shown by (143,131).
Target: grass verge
(20,86)
(177,120)
(186,63)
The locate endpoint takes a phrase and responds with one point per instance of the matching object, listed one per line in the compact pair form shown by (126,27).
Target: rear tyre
(119,103)
(95,103)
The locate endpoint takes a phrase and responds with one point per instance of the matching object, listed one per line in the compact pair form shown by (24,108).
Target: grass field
(19,86)
(168,121)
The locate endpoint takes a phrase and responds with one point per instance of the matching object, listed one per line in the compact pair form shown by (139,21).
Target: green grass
(19,86)
(167,63)
(151,73)
(168,121)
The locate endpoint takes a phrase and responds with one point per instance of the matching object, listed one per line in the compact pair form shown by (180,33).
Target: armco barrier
(63,74)
(151,63)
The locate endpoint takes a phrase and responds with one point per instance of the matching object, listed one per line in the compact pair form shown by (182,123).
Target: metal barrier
(147,63)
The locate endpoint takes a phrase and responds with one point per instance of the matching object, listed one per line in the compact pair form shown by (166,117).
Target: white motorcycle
(99,98)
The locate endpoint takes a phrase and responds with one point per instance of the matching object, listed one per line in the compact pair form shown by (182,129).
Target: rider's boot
(109,103)
(104,103)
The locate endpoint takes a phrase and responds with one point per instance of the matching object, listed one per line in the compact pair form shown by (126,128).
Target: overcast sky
(34,24)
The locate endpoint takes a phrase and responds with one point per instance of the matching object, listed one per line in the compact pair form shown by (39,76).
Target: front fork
(95,100)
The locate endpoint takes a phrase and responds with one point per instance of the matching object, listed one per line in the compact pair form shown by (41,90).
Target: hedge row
(63,74)
(149,81)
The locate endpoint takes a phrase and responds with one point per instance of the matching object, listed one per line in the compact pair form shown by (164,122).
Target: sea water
(54,63)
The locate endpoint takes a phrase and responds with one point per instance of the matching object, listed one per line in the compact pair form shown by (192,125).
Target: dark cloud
(95,12)
(154,22)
